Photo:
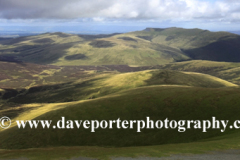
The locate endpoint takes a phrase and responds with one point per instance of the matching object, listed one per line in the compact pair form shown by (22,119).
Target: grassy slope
(41,49)
(158,102)
(59,46)
(26,75)
(106,153)
(224,70)
(124,52)
(148,47)
(196,43)
(183,38)
(162,47)
(214,101)
(106,84)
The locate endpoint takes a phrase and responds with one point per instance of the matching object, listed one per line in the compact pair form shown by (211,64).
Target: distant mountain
(235,32)
(151,46)
(197,44)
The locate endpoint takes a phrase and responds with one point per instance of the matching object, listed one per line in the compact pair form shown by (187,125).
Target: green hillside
(27,75)
(182,38)
(147,47)
(174,73)
(108,83)
(196,43)
(224,70)
(157,102)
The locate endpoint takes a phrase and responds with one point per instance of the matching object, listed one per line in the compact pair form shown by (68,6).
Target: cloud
(100,10)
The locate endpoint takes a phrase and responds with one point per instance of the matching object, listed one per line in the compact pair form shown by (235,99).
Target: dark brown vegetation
(101,44)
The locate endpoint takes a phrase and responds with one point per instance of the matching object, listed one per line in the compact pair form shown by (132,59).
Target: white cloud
(98,19)
(100,10)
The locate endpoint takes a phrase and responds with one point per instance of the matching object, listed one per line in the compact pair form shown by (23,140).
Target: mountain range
(178,73)
(151,46)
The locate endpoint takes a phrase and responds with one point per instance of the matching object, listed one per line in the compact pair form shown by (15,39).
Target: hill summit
(151,46)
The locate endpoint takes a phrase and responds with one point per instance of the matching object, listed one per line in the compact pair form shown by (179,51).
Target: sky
(110,16)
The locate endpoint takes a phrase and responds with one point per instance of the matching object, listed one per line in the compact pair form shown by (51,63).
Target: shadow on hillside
(64,92)
(39,54)
(223,50)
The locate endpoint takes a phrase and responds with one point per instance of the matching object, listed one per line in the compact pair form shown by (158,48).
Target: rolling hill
(27,75)
(224,70)
(157,102)
(97,85)
(175,73)
(148,47)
